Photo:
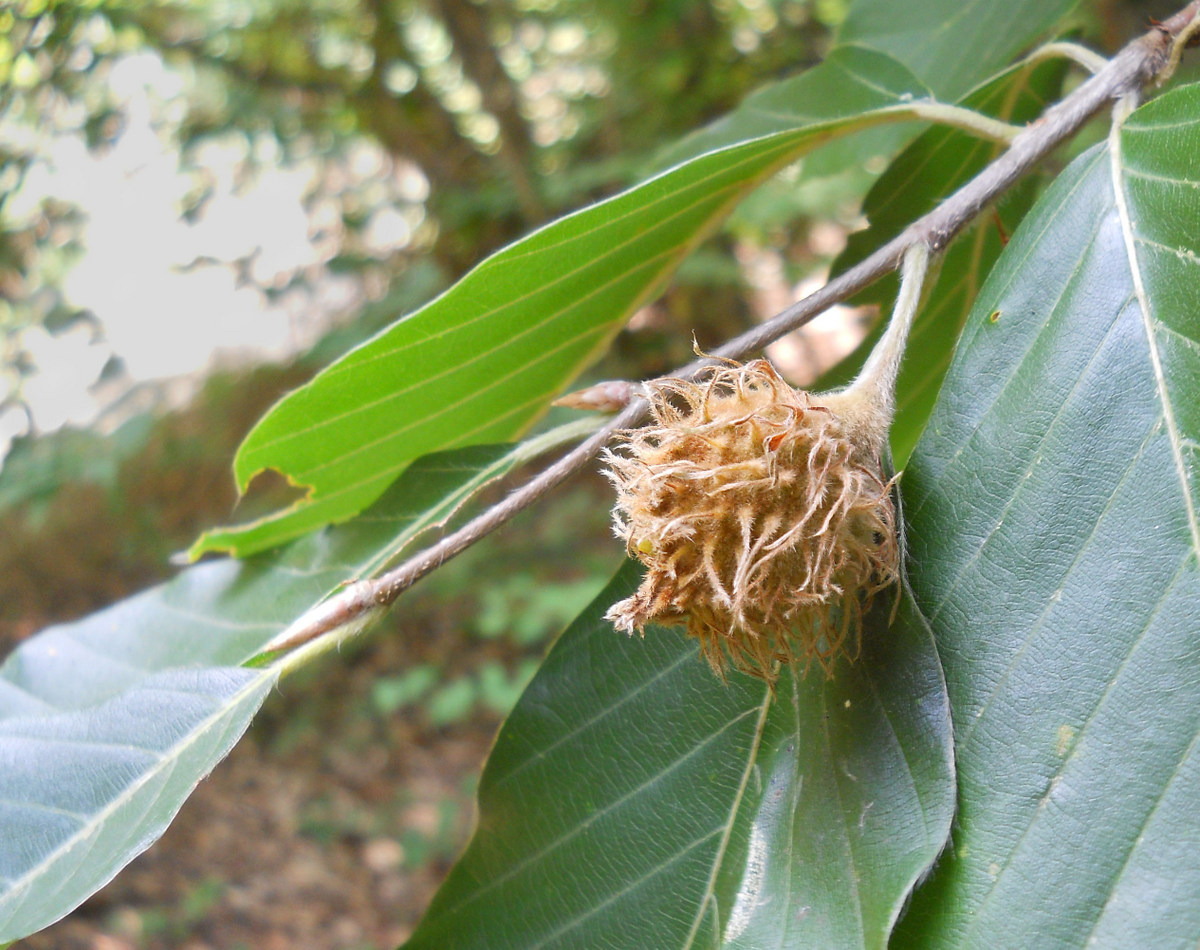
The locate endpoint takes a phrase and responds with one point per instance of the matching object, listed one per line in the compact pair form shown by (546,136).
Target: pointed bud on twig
(612,395)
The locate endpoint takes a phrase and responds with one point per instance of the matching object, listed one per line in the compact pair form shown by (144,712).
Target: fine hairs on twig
(868,404)
(1137,63)
(762,513)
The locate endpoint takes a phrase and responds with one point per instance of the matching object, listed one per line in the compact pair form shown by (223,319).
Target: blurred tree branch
(469,27)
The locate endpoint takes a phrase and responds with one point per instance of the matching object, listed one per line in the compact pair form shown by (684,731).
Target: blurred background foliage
(419,136)
(427,133)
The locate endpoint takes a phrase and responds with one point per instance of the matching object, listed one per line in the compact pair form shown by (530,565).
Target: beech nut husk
(761,514)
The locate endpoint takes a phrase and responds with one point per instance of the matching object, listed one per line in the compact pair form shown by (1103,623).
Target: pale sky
(162,318)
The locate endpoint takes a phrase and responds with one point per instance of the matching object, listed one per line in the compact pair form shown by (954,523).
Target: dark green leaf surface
(1054,538)
(952,45)
(948,45)
(107,724)
(481,362)
(632,800)
(931,168)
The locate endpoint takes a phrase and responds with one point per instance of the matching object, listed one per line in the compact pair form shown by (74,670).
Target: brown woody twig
(1146,58)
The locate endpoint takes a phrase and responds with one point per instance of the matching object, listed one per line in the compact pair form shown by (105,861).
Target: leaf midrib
(1116,166)
(727,831)
(99,818)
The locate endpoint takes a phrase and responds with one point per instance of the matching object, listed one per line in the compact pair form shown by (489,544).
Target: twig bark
(1125,74)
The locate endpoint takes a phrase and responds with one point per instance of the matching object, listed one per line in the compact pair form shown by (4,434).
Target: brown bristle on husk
(765,523)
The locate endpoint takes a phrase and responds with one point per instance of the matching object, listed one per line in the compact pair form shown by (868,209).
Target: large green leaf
(634,800)
(482,361)
(952,44)
(931,168)
(1055,542)
(107,724)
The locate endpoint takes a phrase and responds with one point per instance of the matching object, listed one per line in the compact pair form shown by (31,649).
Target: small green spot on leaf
(1064,739)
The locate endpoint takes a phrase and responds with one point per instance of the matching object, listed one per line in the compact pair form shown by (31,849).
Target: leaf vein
(608,710)
(1121,871)
(1019,268)
(977,916)
(1034,453)
(1052,599)
(595,816)
(727,827)
(1116,164)
(631,886)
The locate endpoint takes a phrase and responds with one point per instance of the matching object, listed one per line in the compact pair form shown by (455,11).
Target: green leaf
(482,361)
(82,784)
(1055,541)
(952,44)
(634,800)
(107,724)
(931,168)
(845,82)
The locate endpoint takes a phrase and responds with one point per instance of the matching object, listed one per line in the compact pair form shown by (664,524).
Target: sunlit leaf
(481,362)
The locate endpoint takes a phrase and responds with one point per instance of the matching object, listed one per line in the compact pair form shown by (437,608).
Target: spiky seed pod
(763,519)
